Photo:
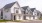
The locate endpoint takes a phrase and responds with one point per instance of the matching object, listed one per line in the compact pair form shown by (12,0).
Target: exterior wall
(13,7)
(0,14)
(20,11)
(6,15)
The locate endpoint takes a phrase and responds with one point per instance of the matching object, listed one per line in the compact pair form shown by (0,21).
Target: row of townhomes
(13,11)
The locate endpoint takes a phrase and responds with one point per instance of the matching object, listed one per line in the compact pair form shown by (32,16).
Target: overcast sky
(31,3)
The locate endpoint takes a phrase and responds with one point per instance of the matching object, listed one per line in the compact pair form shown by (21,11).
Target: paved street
(33,22)
(25,22)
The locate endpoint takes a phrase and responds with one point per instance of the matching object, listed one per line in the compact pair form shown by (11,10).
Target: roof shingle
(25,7)
(9,5)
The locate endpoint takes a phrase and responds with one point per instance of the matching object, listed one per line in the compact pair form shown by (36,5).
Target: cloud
(31,3)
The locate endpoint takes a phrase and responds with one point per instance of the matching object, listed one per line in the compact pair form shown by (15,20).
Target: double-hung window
(16,11)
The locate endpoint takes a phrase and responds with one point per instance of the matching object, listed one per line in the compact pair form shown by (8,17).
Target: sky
(31,3)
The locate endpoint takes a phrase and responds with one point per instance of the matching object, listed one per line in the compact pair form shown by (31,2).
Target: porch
(22,17)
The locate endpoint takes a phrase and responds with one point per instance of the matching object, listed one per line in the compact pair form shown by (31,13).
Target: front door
(24,17)
(14,17)
(33,17)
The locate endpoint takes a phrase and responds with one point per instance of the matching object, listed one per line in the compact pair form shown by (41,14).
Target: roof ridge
(9,5)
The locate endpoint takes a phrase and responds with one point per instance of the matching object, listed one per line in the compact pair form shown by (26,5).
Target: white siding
(19,11)
(6,15)
(35,13)
(12,8)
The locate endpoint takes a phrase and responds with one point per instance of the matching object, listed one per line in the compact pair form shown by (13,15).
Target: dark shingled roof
(9,5)
(25,7)
(32,9)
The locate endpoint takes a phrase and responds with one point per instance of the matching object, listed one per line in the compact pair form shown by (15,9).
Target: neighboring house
(13,11)
(24,12)
(36,14)
(29,14)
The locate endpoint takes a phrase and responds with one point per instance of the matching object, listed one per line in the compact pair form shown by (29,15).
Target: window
(37,14)
(16,11)
(33,17)
(24,12)
(6,10)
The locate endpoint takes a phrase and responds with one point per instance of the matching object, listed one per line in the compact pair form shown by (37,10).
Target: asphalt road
(32,22)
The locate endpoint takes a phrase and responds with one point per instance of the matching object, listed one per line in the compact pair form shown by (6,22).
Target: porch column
(12,17)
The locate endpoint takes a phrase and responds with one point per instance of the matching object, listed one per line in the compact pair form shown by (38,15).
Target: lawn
(4,20)
(10,20)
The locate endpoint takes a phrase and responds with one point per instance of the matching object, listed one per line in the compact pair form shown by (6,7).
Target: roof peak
(32,9)
(9,5)
(25,7)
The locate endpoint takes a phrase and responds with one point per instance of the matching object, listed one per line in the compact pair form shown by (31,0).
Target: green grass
(10,20)
(4,20)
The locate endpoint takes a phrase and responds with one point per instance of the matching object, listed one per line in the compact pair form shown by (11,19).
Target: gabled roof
(21,9)
(9,5)
(38,11)
(32,9)
(25,7)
